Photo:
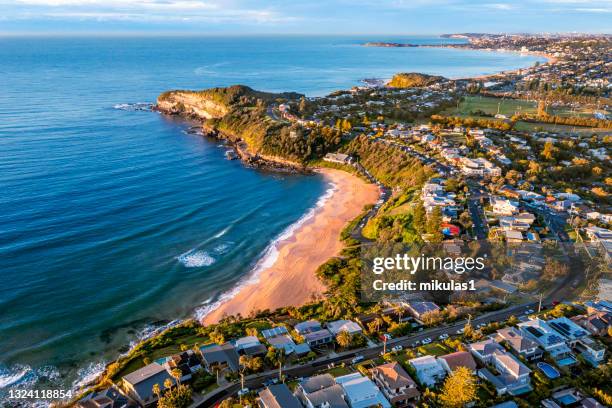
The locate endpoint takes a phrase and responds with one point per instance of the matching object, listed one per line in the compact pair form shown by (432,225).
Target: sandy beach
(291,279)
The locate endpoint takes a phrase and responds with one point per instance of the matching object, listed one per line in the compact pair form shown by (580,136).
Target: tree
(344,339)
(459,389)
(251,331)
(180,397)
(434,221)
(418,217)
(176,374)
(549,152)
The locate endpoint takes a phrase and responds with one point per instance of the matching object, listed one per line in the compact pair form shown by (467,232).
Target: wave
(196,259)
(134,107)
(268,258)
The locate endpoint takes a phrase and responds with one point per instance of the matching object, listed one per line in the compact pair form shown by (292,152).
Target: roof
(333,395)
(515,339)
(225,353)
(301,348)
(459,359)
(343,325)
(511,363)
(567,328)
(423,307)
(485,347)
(394,375)
(307,327)
(279,396)
(318,382)
(275,331)
(361,390)
(246,341)
(142,380)
(541,332)
(317,335)
(507,404)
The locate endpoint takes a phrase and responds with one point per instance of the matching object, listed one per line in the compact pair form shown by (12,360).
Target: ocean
(114,220)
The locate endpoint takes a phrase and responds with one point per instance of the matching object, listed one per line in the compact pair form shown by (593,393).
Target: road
(255,381)
(479,220)
(555,221)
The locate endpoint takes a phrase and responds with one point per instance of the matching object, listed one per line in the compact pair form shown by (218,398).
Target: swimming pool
(548,370)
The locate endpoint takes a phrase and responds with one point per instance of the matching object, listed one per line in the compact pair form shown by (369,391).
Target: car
(460,331)
(385,337)
(243,391)
(357,359)
(443,336)
(426,340)
(397,348)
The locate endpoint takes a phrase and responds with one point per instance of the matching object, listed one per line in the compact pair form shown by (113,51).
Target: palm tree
(344,339)
(168,384)
(157,390)
(177,374)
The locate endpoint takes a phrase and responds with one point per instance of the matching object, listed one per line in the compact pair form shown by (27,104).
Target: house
(361,392)
(523,346)
(418,309)
(220,357)
(591,350)
(139,384)
(321,391)
(428,370)
(569,329)
(278,396)
(187,362)
(273,332)
(598,306)
(307,327)
(483,350)
(596,323)
(549,339)
(513,236)
(513,377)
(340,158)
(108,398)
(395,383)
(283,342)
(343,325)
(503,206)
(452,361)
(250,346)
(318,338)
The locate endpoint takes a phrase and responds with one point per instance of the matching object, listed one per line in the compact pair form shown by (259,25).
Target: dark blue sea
(114,221)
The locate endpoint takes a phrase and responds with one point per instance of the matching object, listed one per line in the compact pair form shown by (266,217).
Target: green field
(508,107)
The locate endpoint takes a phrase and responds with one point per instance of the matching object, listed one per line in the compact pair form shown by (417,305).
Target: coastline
(289,278)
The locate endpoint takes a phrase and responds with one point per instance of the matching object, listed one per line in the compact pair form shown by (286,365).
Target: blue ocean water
(113,220)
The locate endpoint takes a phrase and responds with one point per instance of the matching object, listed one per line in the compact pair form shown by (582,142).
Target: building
(273,332)
(108,398)
(523,346)
(428,370)
(283,342)
(483,350)
(187,362)
(339,158)
(250,346)
(450,362)
(321,391)
(596,323)
(418,309)
(343,325)
(278,396)
(220,357)
(139,384)
(549,339)
(307,327)
(570,330)
(513,377)
(318,338)
(395,383)
(361,392)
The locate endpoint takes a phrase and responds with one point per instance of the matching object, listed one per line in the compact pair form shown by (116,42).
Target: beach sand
(291,280)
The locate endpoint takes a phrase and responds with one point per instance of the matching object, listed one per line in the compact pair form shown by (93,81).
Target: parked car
(357,359)
(426,340)
(397,348)
(243,391)
(443,336)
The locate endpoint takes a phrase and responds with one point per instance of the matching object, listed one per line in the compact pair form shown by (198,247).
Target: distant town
(518,160)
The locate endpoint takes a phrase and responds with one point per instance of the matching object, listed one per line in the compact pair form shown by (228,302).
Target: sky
(242,17)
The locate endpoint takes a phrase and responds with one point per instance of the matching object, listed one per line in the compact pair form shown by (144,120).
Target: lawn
(491,105)
(339,371)
(434,349)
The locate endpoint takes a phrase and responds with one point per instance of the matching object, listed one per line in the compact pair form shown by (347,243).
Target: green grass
(490,105)
(435,349)
(339,371)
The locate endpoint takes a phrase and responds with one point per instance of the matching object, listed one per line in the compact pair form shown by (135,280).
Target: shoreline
(289,278)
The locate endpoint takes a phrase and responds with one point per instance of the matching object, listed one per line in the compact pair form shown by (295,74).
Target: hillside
(413,79)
